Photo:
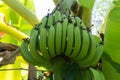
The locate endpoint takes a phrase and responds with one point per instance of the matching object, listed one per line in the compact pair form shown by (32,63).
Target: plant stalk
(58,65)
(86,16)
(23,11)
(12,32)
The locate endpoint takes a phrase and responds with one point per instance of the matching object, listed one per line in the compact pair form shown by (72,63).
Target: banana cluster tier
(64,36)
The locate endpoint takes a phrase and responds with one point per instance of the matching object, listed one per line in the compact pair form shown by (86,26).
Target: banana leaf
(112,44)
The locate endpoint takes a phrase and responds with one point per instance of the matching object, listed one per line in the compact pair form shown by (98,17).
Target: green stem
(12,31)
(23,11)
(58,65)
(86,16)
(64,6)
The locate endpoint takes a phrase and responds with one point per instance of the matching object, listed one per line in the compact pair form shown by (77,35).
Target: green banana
(26,54)
(87,75)
(63,16)
(72,19)
(57,16)
(97,56)
(34,52)
(43,22)
(77,42)
(43,44)
(51,40)
(58,38)
(33,46)
(78,21)
(97,39)
(95,74)
(64,29)
(84,45)
(68,50)
(101,75)
(42,25)
(90,53)
(50,20)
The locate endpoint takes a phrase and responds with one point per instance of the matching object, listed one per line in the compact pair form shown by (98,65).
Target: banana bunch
(65,36)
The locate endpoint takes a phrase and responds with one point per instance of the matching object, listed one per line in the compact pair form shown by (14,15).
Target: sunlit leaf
(2,19)
(116,2)
(16,21)
(29,4)
(111,44)
(7,74)
(87,3)
(8,39)
(26,28)
(12,18)
(115,65)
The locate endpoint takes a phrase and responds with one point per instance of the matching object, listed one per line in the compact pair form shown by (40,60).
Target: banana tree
(71,52)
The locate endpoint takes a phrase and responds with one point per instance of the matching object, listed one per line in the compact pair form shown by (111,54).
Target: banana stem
(12,32)
(63,6)
(23,11)
(86,16)
(58,65)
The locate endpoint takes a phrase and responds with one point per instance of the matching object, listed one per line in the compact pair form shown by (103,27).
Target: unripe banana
(51,40)
(35,53)
(43,44)
(78,21)
(68,50)
(63,16)
(26,54)
(97,56)
(97,39)
(57,16)
(50,20)
(101,75)
(58,38)
(90,53)
(64,35)
(87,75)
(71,19)
(84,46)
(33,46)
(95,74)
(77,42)
(43,22)
(42,25)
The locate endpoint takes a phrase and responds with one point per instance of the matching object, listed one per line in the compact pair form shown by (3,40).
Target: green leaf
(13,17)
(8,39)
(112,34)
(11,74)
(16,20)
(109,71)
(116,2)
(111,44)
(115,65)
(2,5)
(29,4)
(87,3)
